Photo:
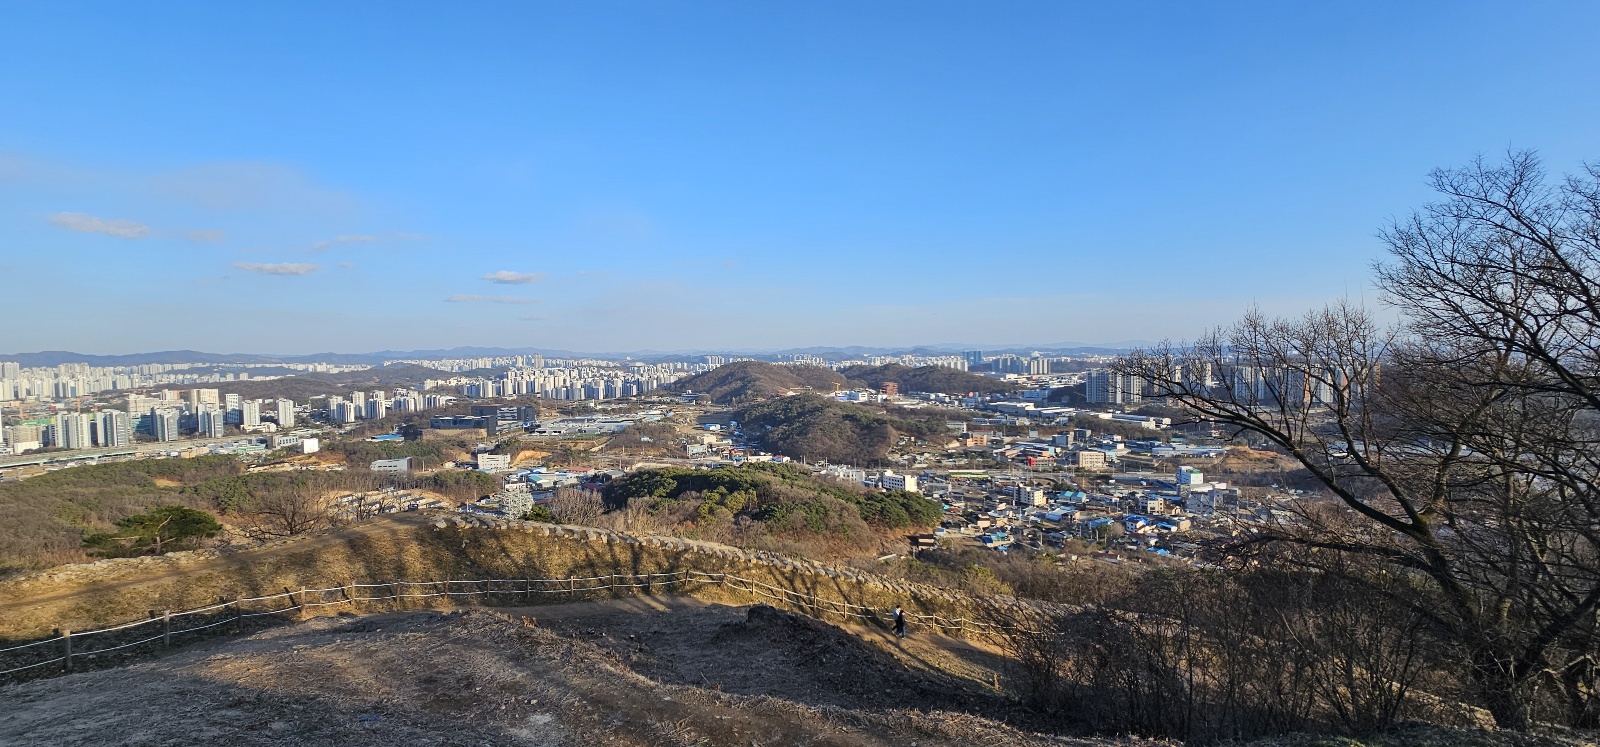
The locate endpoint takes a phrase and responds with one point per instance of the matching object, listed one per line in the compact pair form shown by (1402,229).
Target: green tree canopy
(162,529)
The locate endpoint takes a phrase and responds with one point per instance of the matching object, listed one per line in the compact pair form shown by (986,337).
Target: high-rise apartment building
(113,428)
(250,413)
(209,421)
(164,424)
(346,412)
(72,431)
(200,397)
(24,437)
(233,406)
(1103,386)
(285,413)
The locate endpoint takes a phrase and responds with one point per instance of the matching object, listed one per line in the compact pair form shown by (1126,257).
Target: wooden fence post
(166,628)
(66,645)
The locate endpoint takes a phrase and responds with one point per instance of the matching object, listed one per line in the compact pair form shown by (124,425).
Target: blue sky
(604,176)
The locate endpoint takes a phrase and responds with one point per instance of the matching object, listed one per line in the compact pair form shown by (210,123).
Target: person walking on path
(899,622)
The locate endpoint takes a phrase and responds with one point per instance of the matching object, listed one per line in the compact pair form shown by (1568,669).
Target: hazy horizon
(951,348)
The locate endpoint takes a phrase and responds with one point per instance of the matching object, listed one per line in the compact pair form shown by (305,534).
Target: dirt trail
(704,635)
(606,673)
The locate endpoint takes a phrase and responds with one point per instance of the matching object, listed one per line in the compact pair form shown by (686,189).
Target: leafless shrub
(1204,655)
(580,507)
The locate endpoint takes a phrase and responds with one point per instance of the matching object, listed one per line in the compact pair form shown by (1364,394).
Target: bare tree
(1461,446)
(295,509)
(370,504)
(580,507)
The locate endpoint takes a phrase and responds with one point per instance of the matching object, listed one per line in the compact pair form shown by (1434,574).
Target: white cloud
(337,240)
(208,236)
(85,223)
(282,268)
(507,277)
(475,298)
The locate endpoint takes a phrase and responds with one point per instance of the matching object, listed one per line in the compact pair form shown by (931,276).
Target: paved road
(137,450)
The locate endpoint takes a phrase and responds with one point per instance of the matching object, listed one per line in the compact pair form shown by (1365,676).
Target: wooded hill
(783,498)
(814,428)
(304,387)
(745,382)
(46,517)
(926,379)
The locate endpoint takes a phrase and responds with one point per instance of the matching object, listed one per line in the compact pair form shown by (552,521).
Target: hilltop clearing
(677,676)
(813,428)
(631,662)
(642,671)
(745,382)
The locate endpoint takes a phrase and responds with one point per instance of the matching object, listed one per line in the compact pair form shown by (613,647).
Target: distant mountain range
(57,357)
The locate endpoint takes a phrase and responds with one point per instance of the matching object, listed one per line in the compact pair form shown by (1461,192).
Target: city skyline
(701,177)
(49,358)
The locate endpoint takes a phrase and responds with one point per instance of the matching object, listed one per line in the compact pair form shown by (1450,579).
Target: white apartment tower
(72,431)
(113,428)
(200,397)
(164,424)
(1103,386)
(210,420)
(345,412)
(285,413)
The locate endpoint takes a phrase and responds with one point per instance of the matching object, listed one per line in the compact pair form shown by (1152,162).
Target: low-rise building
(891,481)
(401,465)
(1089,459)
